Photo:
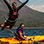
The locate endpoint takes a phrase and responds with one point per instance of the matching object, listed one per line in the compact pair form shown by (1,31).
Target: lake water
(28,32)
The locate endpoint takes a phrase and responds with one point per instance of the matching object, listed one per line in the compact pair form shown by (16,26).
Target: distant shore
(30,27)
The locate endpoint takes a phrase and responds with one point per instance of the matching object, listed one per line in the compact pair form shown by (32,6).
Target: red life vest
(14,16)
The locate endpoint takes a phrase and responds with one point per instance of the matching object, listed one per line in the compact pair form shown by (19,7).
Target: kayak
(13,40)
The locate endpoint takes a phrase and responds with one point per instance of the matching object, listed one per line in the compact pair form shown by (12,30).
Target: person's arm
(22,5)
(21,36)
(8,5)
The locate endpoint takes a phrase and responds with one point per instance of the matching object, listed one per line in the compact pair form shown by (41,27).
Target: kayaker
(20,33)
(13,14)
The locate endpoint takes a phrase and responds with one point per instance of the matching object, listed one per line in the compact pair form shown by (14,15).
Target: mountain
(30,17)
(38,8)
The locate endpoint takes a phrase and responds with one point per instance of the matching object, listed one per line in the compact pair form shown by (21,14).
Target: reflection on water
(28,32)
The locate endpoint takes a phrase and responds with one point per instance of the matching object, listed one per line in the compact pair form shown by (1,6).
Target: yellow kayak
(12,40)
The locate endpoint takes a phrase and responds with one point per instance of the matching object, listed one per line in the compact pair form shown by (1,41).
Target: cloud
(38,8)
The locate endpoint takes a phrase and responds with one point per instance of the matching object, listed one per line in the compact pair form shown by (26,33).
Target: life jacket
(20,29)
(18,32)
(14,16)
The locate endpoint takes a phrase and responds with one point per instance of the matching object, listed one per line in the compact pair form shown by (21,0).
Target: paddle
(34,42)
(12,32)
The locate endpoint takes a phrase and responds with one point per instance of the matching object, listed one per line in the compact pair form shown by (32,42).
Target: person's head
(21,25)
(14,4)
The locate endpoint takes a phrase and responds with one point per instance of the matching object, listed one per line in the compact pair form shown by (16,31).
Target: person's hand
(5,21)
(26,39)
(30,38)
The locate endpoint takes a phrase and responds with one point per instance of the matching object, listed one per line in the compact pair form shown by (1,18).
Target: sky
(34,2)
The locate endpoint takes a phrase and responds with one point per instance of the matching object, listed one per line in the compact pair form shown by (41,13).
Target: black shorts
(8,23)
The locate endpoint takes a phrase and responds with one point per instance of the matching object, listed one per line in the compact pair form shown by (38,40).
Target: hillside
(31,18)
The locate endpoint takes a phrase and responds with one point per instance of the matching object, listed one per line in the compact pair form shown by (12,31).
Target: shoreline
(30,27)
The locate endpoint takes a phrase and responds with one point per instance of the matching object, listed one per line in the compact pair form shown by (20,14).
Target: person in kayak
(20,33)
(13,15)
